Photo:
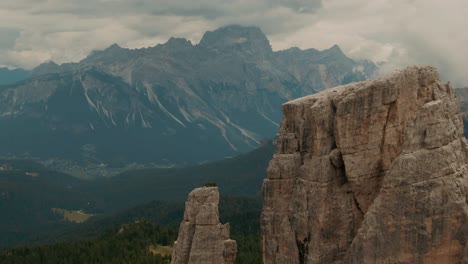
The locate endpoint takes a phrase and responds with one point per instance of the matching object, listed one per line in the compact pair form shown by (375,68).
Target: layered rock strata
(371,172)
(202,238)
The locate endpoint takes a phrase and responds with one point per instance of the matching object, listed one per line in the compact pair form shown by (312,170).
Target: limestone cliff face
(202,239)
(371,172)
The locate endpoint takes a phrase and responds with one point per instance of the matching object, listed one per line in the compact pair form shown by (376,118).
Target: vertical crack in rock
(336,160)
(202,238)
(381,167)
(357,205)
(336,157)
(371,172)
(302,250)
(333,122)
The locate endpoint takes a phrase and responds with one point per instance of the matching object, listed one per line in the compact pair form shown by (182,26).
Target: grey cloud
(400,33)
(63,30)
(190,19)
(209,9)
(302,6)
(8,37)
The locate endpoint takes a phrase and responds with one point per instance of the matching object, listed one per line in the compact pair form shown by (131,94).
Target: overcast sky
(398,32)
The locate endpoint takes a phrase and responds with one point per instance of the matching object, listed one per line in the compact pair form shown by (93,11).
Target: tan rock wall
(202,238)
(371,172)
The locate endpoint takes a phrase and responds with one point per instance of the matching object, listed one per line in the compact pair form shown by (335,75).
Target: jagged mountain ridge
(175,102)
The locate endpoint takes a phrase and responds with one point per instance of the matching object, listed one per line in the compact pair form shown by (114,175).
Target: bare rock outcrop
(371,172)
(202,238)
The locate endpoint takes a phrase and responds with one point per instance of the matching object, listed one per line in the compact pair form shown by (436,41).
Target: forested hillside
(152,224)
(131,243)
(29,192)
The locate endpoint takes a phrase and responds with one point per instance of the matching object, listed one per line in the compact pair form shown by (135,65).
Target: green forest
(129,244)
(33,233)
(128,236)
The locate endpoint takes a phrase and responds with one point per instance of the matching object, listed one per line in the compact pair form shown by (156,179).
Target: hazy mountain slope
(462,95)
(239,176)
(8,76)
(173,103)
(27,199)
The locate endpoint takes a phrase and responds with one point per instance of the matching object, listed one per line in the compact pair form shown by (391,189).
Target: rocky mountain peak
(335,48)
(250,39)
(370,172)
(111,50)
(178,42)
(202,238)
(114,46)
(334,53)
(219,98)
(45,68)
(180,47)
(113,53)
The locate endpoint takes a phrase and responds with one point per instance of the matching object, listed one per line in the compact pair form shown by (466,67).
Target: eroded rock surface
(371,172)
(202,238)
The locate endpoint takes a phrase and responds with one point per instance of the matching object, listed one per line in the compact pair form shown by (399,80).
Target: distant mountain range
(11,76)
(462,95)
(175,103)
